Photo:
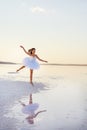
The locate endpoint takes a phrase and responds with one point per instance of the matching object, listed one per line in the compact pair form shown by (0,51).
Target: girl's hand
(21,46)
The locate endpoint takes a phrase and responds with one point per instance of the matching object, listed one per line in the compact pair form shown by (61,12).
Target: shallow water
(62,91)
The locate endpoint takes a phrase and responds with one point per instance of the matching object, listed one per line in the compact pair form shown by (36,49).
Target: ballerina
(30,110)
(30,61)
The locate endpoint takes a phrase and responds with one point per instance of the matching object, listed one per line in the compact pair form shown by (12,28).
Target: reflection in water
(30,110)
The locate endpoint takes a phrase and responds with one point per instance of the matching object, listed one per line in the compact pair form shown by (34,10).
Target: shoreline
(66,64)
(51,64)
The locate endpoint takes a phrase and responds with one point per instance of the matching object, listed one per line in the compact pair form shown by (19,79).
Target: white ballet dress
(31,62)
(29,109)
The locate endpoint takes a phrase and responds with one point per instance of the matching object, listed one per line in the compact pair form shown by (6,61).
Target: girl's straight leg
(31,76)
(30,100)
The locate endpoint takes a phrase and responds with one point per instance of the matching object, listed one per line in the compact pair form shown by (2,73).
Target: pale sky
(56,28)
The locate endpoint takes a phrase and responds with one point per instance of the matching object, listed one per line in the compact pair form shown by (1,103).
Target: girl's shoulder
(36,55)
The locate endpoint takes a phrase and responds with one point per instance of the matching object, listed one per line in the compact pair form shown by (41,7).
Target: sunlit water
(62,91)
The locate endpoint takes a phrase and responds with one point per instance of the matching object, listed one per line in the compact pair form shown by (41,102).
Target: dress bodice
(32,58)
(31,113)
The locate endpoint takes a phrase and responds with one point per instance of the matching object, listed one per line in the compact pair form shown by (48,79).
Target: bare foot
(22,103)
(32,83)
(17,70)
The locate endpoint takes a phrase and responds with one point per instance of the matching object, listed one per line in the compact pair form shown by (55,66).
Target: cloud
(35,9)
(38,9)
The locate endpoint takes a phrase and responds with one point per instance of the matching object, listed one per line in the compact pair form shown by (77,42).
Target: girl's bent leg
(20,68)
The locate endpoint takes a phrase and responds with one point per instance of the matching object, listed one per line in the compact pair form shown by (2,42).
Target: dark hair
(30,50)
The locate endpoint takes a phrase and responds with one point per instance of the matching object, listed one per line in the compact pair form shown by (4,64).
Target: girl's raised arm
(24,50)
(40,59)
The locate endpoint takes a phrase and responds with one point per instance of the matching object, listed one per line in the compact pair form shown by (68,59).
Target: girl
(30,110)
(30,62)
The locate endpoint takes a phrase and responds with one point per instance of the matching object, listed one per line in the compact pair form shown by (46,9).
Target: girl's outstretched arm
(24,50)
(40,59)
(39,112)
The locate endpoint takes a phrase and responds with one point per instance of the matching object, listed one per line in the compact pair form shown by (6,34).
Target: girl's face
(33,51)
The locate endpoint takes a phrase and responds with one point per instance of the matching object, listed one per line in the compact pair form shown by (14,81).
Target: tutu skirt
(30,108)
(31,62)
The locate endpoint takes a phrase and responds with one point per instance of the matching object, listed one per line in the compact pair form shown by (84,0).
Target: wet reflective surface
(62,91)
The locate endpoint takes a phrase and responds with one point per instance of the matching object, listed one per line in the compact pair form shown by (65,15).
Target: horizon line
(56,64)
(66,64)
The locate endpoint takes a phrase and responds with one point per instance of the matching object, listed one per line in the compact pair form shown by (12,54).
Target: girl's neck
(33,55)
